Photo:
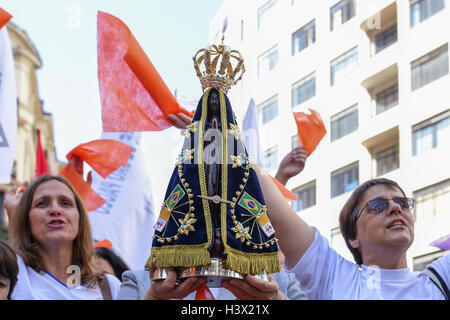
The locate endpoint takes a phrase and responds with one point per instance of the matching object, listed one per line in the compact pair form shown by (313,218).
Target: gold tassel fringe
(179,256)
(251,263)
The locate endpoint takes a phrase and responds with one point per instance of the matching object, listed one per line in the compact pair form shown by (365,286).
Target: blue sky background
(65,35)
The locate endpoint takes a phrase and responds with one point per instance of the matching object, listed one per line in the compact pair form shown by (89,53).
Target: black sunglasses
(378,205)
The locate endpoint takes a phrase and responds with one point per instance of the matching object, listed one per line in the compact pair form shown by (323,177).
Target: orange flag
(104,156)
(92,200)
(133,95)
(103,244)
(311,129)
(203,293)
(4,17)
(98,154)
(288,194)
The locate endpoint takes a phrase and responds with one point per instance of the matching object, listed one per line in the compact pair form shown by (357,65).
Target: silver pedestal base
(214,274)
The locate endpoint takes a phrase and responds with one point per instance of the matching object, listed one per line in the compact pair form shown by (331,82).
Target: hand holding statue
(254,289)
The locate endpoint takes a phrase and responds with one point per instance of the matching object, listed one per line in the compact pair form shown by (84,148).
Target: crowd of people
(50,254)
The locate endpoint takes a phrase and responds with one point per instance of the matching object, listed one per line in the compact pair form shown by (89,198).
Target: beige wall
(30,111)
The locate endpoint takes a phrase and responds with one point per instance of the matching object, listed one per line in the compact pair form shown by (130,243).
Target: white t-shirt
(32,285)
(326,275)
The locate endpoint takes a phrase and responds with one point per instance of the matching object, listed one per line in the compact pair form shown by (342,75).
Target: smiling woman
(51,235)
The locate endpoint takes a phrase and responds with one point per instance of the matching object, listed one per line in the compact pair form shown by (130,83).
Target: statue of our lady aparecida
(213,221)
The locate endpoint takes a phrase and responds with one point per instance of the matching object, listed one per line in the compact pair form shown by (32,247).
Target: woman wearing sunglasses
(378,227)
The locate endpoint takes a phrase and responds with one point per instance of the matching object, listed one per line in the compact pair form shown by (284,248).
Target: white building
(377,72)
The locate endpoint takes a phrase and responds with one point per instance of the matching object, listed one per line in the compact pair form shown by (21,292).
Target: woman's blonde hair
(23,242)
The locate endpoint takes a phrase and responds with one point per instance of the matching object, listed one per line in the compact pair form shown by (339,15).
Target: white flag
(127,218)
(8,108)
(250,134)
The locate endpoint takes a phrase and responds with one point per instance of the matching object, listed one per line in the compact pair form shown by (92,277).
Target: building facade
(377,72)
(31,115)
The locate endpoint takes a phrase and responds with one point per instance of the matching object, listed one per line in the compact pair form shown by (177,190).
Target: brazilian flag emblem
(258,211)
(174,197)
(250,204)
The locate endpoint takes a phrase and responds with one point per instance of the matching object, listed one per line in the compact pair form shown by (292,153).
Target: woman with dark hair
(51,235)
(109,262)
(8,271)
(378,227)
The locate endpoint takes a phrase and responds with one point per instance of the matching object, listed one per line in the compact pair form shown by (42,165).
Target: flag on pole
(128,217)
(311,129)
(8,105)
(250,134)
(41,160)
(133,95)
(4,17)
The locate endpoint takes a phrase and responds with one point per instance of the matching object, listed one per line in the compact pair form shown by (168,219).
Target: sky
(65,35)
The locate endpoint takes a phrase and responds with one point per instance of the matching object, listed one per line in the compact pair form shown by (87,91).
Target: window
(432,201)
(268,110)
(431,133)
(429,68)
(421,10)
(271,159)
(420,263)
(387,99)
(264,12)
(387,160)
(344,179)
(306,196)
(303,90)
(341,12)
(304,37)
(267,61)
(343,66)
(386,38)
(337,242)
(344,123)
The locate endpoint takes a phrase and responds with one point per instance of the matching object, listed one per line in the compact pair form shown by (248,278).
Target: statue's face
(213,100)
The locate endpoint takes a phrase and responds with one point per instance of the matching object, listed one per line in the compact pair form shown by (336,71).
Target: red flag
(311,129)
(4,17)
(41,160)
(104,156)
(203,293)
(133,95)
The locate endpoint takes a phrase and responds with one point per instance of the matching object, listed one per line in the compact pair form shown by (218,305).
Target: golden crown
(225,77)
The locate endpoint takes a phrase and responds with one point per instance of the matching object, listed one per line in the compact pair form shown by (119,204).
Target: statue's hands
(254,289)
(291,165)
(168,289)
(181,121)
